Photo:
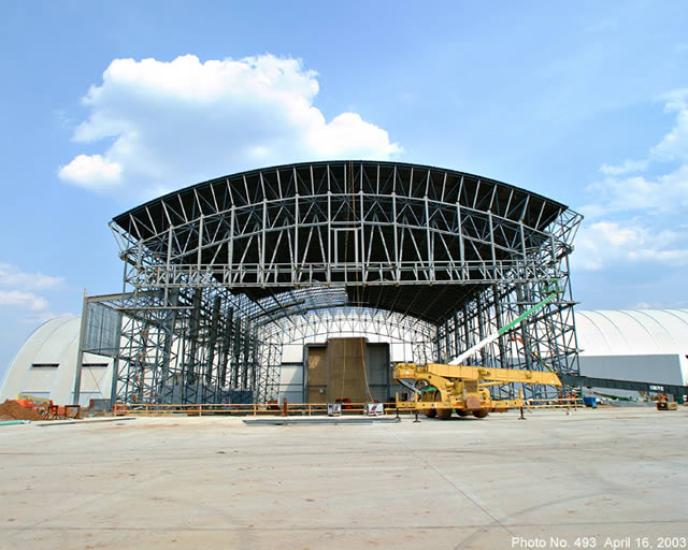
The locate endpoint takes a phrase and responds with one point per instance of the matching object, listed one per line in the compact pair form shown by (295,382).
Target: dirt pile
(11,410)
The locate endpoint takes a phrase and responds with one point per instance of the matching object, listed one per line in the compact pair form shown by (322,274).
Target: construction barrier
(298,409)
(558,403)
(249,409)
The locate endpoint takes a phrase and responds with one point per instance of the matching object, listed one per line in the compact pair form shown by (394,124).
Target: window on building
(44,365)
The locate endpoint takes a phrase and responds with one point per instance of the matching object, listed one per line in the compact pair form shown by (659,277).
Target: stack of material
(338,372)
(11,410)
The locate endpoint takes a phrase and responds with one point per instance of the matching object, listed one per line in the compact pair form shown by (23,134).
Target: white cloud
(91,171)
(674,146)
(172,123)
(628,166)
(659,194)
(18,292)
(23,300)
(625,189)
(12,276)
(605,243)
(637,212)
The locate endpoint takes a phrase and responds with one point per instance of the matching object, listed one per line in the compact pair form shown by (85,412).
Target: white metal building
(46,363)
(646,345)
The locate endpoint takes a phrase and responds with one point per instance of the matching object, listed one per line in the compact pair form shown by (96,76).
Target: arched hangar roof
(311,178)
(633,332)
(45,365)
(53,344)
(394,235)
(600,332)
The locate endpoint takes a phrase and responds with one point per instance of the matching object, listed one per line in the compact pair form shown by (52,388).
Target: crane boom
(459,359)
(484,375)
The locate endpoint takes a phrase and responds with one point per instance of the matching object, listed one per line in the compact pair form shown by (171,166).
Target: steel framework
(220,275)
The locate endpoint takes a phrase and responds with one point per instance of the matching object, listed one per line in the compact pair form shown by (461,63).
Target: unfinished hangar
(225,279)
(644,345)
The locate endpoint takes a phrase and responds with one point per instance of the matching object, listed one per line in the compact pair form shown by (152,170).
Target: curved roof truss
(398,237)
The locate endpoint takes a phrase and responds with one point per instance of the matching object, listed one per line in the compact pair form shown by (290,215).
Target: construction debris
(12,410)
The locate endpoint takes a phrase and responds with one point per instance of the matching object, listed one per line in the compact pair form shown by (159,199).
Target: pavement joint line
(423,459)
(354,528)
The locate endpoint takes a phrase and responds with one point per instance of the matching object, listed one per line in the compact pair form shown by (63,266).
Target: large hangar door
(347,368)
(345,365)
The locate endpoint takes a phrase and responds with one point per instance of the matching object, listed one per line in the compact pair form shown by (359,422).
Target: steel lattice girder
(235,258)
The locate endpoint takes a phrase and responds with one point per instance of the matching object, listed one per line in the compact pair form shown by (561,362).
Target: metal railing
(249,409)
(557,403)
(298,409)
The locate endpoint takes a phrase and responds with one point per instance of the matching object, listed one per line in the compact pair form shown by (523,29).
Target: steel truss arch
(242,263)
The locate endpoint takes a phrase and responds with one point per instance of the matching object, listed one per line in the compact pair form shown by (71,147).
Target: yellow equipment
(440,389)
(663,403)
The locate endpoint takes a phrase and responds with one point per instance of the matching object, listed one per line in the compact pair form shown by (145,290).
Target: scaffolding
(218,277)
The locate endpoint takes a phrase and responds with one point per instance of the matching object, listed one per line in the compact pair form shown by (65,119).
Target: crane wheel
(430,413)
(462,412)
(444,414)
(480,413)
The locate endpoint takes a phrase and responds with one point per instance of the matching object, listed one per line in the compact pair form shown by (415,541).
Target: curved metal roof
(53,342)
(410,238)
(205,188)
(633,332)
(600,332)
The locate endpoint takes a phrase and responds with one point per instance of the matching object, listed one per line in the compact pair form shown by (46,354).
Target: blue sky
(585,102)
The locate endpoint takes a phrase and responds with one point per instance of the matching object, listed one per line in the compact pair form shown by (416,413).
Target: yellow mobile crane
(463,389)
(438,389)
